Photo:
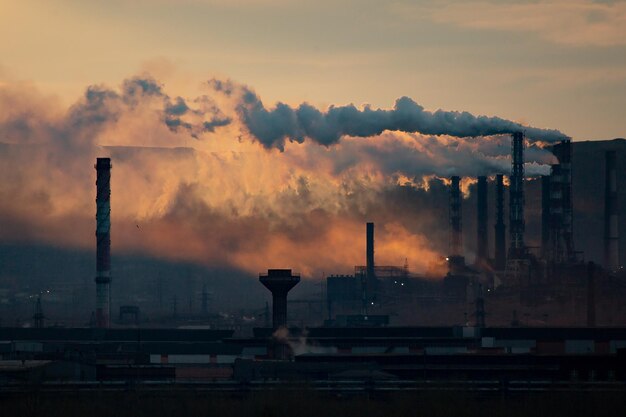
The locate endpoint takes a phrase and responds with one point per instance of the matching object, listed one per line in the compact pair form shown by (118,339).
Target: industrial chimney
(455,218)
(103,242)
(611,214)
(500,228)
(545,216)
(369,253)
(517,249)
(482,248)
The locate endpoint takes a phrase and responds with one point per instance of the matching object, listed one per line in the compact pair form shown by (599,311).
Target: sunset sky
(289,123)
(559,64)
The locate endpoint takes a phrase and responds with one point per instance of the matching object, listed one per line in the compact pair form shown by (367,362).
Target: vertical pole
(103,242)
(500,228)
(482,243)
(456,242)
(516,202)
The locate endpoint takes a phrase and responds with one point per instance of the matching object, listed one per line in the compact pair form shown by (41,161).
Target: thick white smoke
(273,127)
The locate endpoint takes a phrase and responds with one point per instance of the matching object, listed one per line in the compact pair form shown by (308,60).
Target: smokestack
(482,246)
(455,218)
(103,242)
(369,254)
(611,214)
(591,295)
(545,216)
(500,228)
(516,199)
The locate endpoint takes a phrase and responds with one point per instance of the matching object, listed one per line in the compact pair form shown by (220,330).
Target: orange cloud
(570,22)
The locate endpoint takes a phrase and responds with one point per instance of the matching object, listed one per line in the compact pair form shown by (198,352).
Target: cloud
(568,22)
(224,198)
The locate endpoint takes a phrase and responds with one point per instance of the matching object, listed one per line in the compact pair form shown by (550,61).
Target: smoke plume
(220,180)
(273,127)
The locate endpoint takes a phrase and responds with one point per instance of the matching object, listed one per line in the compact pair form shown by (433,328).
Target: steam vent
(279,282)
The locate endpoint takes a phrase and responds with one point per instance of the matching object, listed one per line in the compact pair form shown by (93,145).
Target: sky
(264,133)
(558,64)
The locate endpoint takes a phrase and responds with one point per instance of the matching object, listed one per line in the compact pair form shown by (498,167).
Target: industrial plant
(384,324)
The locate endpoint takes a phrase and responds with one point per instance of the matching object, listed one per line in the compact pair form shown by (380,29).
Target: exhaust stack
(546,217)
(369,253)
(103,242)
(611,214)
(456,242)
(482,243)
(500,228)
(516,201)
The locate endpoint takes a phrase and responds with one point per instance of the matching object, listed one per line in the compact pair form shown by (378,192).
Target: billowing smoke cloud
(194,180)
(273,127)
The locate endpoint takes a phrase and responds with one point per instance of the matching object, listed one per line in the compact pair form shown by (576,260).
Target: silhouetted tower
(205,300)
(500,228)
(545,216)
(369,252)
(456,242)
(591,295)
(482,242)
(563,151)
(279,282)
(558,244)
(103,242)
(369,285)
(517,250)
(611,214)
(38,316)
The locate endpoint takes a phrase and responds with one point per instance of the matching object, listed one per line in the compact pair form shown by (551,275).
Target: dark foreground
(306,402)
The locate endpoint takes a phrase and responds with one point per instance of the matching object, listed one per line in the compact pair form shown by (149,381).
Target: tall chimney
(611,214)
(456,242)
(482,245)
(516,201)
(369,254)
(103,241)
(545,216)
(500,228)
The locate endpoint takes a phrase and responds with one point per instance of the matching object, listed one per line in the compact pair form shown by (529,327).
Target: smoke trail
(226,199)
(273,127)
